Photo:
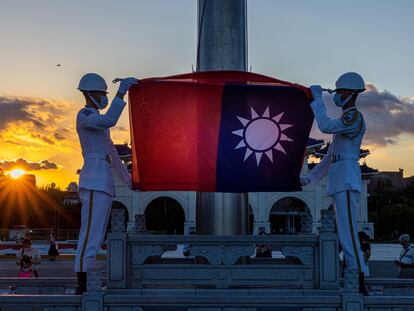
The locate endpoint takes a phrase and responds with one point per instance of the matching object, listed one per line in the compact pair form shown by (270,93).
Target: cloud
(13,110)
(387,116)
(35,124)
(120,129)
(120,134)
(28,166)
(40,113)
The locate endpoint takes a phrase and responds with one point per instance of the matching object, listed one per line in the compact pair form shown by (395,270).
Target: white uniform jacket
(99,153)
(341,160)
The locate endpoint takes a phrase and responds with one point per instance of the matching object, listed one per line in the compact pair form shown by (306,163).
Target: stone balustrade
(41,285)
(220,274)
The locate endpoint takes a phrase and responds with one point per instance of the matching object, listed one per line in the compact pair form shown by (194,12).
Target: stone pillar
(92,300)
(306,222)
(222,29)
(188,226)
(117,252)
(351,299)
(328,252)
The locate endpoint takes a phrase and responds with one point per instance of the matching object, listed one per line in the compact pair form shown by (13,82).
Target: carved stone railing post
(351,299)
(94,281)
(351,280)
(306,222)
(117,250)
(328,252)
(92,300)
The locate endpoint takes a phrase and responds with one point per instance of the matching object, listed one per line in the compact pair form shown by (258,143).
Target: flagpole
(222,45)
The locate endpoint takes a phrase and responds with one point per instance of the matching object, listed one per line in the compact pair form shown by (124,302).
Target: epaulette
(350,117)
(87,111)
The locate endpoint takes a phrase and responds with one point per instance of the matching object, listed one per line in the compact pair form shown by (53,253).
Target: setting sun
(16,173)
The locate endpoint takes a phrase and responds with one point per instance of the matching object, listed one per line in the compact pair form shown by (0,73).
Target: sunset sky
(308,42)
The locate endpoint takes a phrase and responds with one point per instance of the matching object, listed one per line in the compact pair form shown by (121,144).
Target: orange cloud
(33,130)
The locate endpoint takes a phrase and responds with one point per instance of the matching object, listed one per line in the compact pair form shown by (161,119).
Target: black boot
(362,288)
(82,281)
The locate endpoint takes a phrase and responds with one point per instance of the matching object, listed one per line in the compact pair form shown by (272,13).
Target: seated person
(263,251)
(27,258)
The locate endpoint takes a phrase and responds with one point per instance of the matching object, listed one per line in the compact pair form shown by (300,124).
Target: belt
(100,156)
(340,157)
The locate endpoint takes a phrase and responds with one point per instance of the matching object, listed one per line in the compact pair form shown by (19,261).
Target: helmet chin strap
(348,99)
(93,100)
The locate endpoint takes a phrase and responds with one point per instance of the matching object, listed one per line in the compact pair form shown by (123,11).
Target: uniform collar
(87,106)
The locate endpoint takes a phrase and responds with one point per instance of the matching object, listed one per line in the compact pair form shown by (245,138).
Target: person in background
(187,247)
(263,251)
(406,259)
(27,258)
(365,248)
(53,252)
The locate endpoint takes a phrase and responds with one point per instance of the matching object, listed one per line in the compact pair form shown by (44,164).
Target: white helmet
(350,81)
(92,82)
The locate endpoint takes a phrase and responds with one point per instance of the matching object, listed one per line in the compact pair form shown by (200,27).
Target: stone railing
(223,261)
(41,285)
(42,303)
(220,274)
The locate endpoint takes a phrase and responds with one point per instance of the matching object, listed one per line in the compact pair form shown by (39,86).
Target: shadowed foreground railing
(42,285)
(219,275)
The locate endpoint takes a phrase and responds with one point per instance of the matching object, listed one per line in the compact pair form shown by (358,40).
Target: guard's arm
(320,170)
(90,119)
(330,125)
(120,169)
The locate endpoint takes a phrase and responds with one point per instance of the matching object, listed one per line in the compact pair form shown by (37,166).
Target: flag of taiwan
(220,131)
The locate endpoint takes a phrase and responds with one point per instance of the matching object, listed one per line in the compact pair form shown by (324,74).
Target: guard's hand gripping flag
(218,131)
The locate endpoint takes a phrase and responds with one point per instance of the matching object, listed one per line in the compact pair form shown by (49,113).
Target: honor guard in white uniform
(341,164)
(96,184)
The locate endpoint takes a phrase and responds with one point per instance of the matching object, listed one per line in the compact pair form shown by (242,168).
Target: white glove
(304,180)
(126,84)
(316,91)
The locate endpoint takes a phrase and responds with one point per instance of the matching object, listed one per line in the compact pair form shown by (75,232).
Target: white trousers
(96,209)
(347,204)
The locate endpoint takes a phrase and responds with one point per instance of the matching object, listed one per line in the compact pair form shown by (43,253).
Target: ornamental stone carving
(94,280)
(305,254)
(218,254)
(140,253)
(351,282)
(327,221)
(118,222)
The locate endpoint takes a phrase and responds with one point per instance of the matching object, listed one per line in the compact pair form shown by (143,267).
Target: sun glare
(16,173)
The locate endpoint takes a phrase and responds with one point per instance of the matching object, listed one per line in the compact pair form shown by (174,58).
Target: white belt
(100,156)
(340,157)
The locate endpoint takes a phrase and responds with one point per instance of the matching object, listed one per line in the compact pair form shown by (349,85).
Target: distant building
(396,178)
(173,212)
(28,180)
(72,187)
(71,196)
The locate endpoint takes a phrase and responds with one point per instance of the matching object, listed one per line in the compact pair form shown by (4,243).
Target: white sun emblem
(262,135)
